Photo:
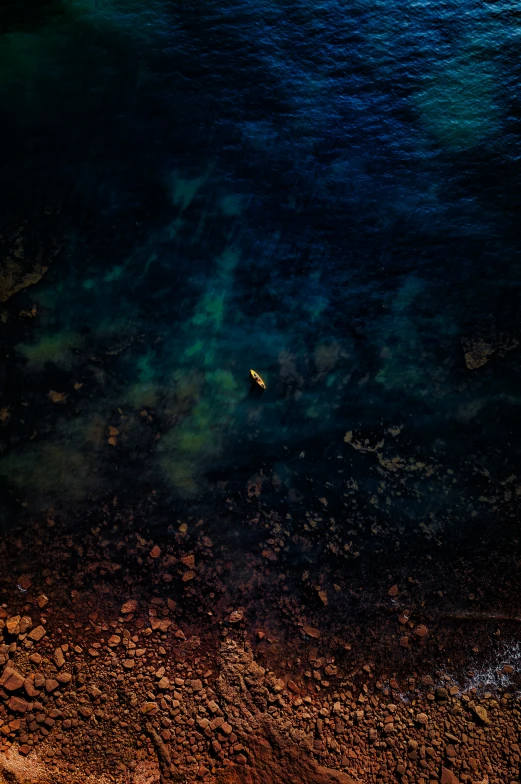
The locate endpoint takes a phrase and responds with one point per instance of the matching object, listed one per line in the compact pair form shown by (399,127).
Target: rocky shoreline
(127,660)
(127,702)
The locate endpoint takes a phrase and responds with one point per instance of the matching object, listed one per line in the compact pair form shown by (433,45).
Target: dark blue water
(326,193)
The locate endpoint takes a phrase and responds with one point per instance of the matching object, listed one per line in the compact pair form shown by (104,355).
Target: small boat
(258,380)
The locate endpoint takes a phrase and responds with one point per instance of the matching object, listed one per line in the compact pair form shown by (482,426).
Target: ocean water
(328,193)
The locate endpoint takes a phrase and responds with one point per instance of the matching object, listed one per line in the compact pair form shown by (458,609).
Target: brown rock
(448,777)
(481,713)
(11,679)
(13,624)
(29,688)
(64,677)
(24,581)
(42,601)
(37,633)
(163,684)
(311,631)
(128,664)
(129,607)
(85,712)
(59,658)
(35,658)
(114,640)
(236,616)
(155,552)
(150,708)
(421,630)
(18,705)
(24,750)
(51,685)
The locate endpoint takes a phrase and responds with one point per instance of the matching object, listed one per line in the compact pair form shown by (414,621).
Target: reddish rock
(51,685)
(18,705)
(24,581)
(13,625)
(311,631)
(155,552)
(448,777)
(37,633)
(24,749)
(30,690)
(129,607)
(11,679)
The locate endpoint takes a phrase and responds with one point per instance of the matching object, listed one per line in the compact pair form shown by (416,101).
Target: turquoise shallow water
(327,194)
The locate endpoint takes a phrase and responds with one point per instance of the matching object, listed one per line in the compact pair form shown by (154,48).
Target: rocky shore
(177,677)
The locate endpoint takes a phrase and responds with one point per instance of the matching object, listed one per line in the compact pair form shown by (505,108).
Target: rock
(29,688)
(447,776)
(481,713)
(155,552)
(25,623)
(393,590)
(42,601)
(114,640)
(236,616)
(421,630)
(150,708)
(64,677)
(18,705)
(422,718)
(24,750)
(13,624)
(37,633)
(163,684)
(11,679)
(51,685)
(59,658)
(24,582)
(35,658)
(129,607)
(85,712)
(128,664)
(311,631)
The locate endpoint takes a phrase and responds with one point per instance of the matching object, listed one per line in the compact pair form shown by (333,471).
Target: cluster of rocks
(118,696)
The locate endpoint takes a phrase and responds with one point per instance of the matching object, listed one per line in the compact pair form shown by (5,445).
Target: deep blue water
(326,192)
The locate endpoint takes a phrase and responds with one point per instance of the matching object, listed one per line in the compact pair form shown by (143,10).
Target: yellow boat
(258,380)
